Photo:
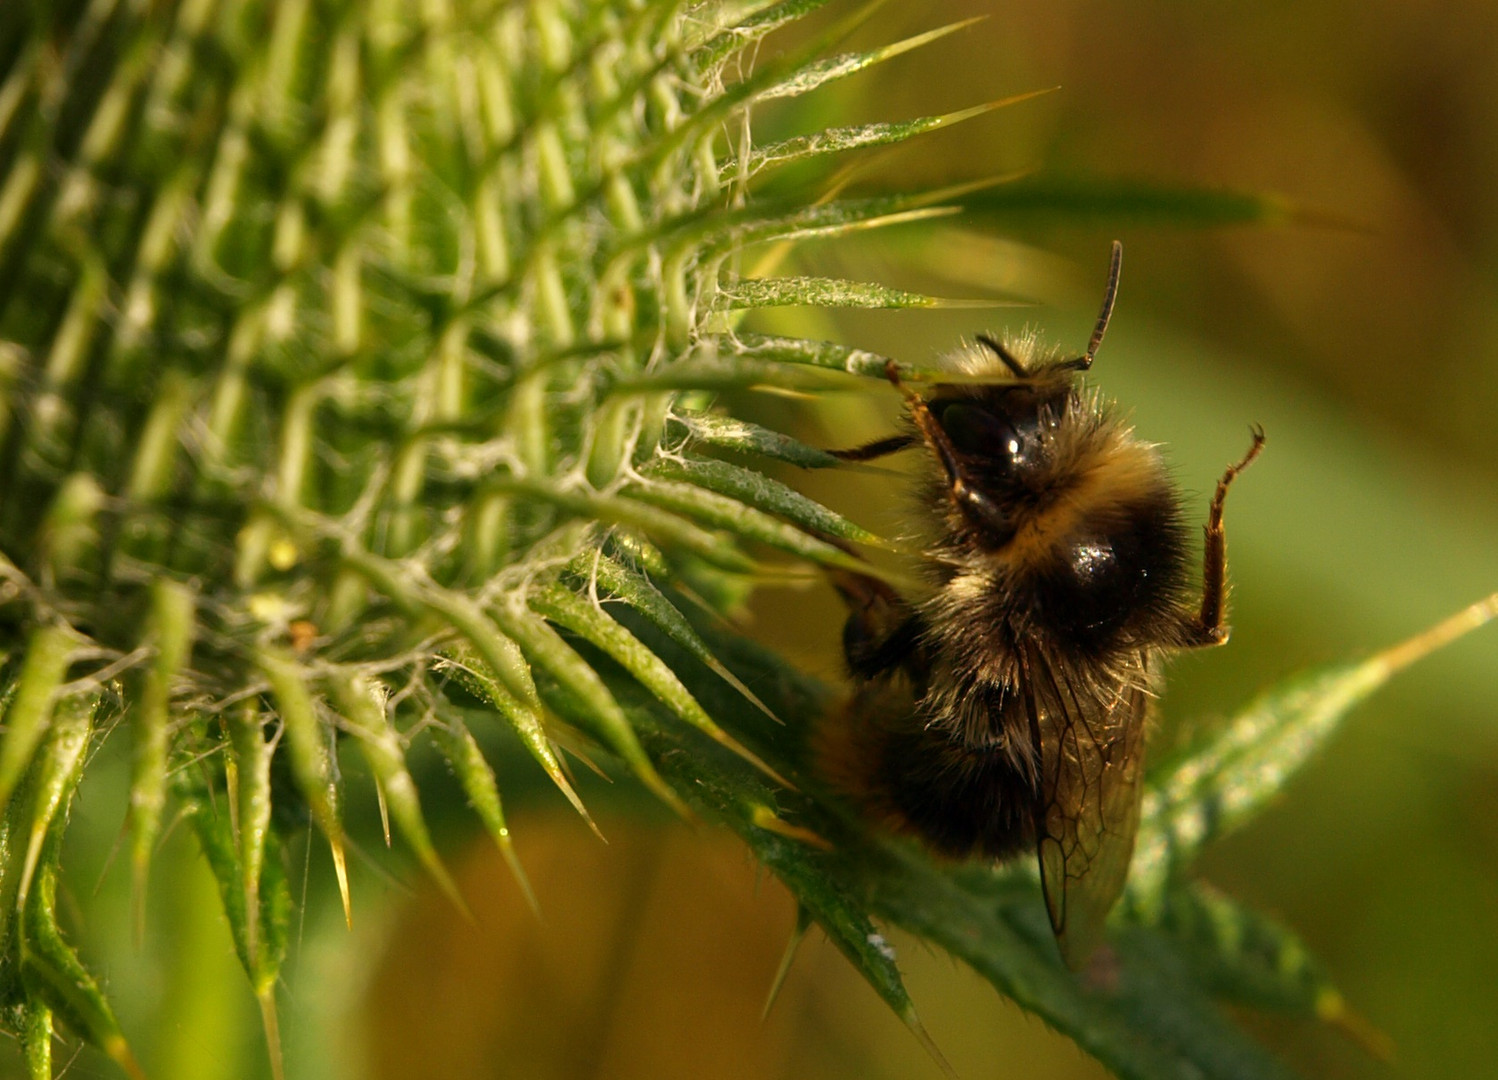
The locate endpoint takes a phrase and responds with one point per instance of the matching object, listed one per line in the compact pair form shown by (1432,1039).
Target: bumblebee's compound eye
(977,432)
(985,435)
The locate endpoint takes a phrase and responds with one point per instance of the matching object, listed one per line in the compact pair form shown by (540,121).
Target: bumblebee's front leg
(892,444)
(879,448)
(881,633)
(1205,627)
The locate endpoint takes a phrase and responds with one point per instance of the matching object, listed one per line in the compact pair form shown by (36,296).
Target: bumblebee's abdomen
(962,801)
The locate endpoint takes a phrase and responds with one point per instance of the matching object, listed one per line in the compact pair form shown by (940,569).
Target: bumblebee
(1004,709)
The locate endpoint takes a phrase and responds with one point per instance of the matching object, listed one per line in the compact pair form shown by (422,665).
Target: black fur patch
(962,801)
(1116,586)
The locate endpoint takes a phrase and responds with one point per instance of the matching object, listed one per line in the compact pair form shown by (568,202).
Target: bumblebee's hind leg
(1204,627)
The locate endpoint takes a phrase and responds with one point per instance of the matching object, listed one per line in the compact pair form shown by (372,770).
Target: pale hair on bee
(1004,707)
(978,359)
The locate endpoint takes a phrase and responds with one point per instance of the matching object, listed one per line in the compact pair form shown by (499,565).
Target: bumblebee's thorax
(1080,545)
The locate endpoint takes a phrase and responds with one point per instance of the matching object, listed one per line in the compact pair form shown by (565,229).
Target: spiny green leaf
(824,220)
(728,433)
(462,752)
(1215,790)
(705,235)
(475,674)
(1153,1023)
(361,703)
(832,293)
(1247,957)
(418,593)
(49,650)
(761,492)
(743,520)
(307,738)
(705,372)
(820,72)
(172,628)
(546,650)
(1243,957)
(778,221)
(54,976)
(248,775)
(54,979)
(56,770)
(262,951)
(718,107)
(570,611)
(821,354)
(840,140)
(636,590)
(747,27)
(668,529)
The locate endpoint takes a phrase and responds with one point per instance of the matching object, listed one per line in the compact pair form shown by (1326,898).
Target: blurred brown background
(1369,353)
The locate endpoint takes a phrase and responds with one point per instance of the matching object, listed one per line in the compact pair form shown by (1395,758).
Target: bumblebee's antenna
(1010,360)
(1109,295)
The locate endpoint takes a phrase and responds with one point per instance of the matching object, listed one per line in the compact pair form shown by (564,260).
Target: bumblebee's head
(1005,450)
(1009,447)
(1041,485)
(1005,435)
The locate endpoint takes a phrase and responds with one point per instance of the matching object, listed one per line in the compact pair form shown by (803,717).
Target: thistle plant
(357,364)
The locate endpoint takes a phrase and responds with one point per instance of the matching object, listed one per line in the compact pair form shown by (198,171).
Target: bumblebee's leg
(966,492)
(1205,627)
(881,633)
(877,449)
(892,444)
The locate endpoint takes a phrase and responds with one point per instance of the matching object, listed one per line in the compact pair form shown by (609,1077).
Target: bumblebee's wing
(1091,742)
